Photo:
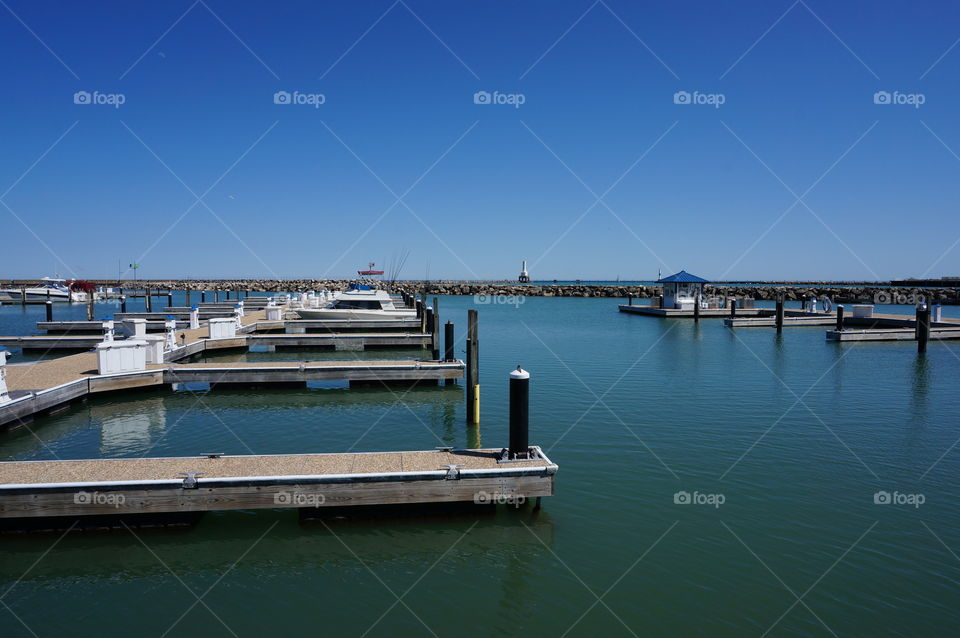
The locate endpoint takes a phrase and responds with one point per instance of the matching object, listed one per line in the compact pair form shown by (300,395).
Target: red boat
(370,270)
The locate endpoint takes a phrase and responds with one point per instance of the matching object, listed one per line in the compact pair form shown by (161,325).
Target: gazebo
(681,290)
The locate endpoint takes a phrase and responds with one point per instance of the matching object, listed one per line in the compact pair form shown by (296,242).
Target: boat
(358,302)
(52,288)
(370,271)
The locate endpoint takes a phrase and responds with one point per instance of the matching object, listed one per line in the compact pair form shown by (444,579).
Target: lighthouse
(524,277)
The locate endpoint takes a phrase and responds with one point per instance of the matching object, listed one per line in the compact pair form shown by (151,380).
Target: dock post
(519,414)
(90,306)
(435,329)
(49,306)
(660,302)
(123,303)
(696,309)
(839,317)
(779,319)
(216,296)
(473,369)
(187,303)
(147,300)
(423,316)
(169,300)
(629,300)
(4,396)
(23,296)
(448,350)
(203,296)
(733,307)
(923,327)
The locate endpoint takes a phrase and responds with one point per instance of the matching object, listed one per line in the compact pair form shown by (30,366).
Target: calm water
(793,435)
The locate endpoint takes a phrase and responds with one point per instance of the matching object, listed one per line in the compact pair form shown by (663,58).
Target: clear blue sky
(491,184)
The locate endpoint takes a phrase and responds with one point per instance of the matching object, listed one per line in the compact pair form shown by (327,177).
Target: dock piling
(733,307)
(519,414)
(203,296)
(149,304)
(90,306)
(779,315)
(839,317)
(123,303)
(169,300)
(23,296)
(49,306)
(696,309)
(923,327)
(435,329)
(473,369)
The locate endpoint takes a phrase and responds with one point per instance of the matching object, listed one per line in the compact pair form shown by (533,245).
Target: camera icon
(82,498)
(283,498)
(281,97)
(881,498)
(481,97)
(482,299)
(481,498)
(881,97)
(681,97)
(81,97)
(681,498)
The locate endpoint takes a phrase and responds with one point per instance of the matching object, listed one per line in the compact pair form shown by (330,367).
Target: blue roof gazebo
(681,290)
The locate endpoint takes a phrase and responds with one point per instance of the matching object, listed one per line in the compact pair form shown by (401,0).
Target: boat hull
(349,313)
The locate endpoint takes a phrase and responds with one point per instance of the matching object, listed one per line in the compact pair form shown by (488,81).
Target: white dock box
(863,311)
(154,348)
(121,356)
(223,328)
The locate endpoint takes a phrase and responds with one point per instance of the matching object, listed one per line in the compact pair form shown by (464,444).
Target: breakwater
(846,293)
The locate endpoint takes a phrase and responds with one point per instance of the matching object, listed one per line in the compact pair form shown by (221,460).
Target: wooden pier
(891,334)
(67,492)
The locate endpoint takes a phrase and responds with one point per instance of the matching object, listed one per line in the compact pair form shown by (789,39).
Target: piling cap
(108,318)
(519,373)
(193,308)
(171,317)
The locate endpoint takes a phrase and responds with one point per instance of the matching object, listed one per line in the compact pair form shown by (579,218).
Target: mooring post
(123,303)
(696,308)
(779,319)
(169,300)
(435,329)
(519,414)
(448,354)
(630,300)
(839,317)
(473,369)
(90,306)
(203,296)
(187,294)
(216,296)
(733,307)
(660,302)
(423,316)
(147,298)
(49,306)
(23,296)
(923,327)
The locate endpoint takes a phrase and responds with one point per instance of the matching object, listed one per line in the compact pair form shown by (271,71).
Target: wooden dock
(67,492)
(891,334)
(788,321)
(705,313)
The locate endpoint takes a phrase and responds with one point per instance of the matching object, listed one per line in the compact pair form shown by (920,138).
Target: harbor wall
(846,293)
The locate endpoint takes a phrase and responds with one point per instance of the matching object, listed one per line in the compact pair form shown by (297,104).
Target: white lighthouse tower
(524,277)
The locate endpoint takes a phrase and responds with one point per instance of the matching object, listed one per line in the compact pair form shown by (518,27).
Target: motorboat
(51,288)
(358,302)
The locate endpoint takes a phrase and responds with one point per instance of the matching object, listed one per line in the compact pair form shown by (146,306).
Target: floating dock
(891,334)
(67,492)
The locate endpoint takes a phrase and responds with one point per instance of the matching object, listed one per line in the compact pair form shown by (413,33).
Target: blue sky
(798,173)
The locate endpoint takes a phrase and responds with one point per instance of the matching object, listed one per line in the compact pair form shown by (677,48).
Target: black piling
(49,306)
(923,327)
(696,309)
(779,316)
(473,369)
(203,296)
(435,329)
(733,307)
(840,318)
(148,300)
(187,293)
(169,300)
(519,414)
(123,303)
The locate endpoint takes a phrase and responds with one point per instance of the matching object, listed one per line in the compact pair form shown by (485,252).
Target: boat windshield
(359,304)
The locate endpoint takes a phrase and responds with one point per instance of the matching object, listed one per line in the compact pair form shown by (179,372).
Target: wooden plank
(126,381)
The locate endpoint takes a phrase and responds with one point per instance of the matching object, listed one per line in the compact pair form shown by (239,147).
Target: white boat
(359,302)
(48,288)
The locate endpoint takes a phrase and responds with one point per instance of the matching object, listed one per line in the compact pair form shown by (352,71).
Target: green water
(795,435)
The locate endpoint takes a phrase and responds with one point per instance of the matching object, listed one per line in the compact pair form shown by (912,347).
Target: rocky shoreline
(841,294)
